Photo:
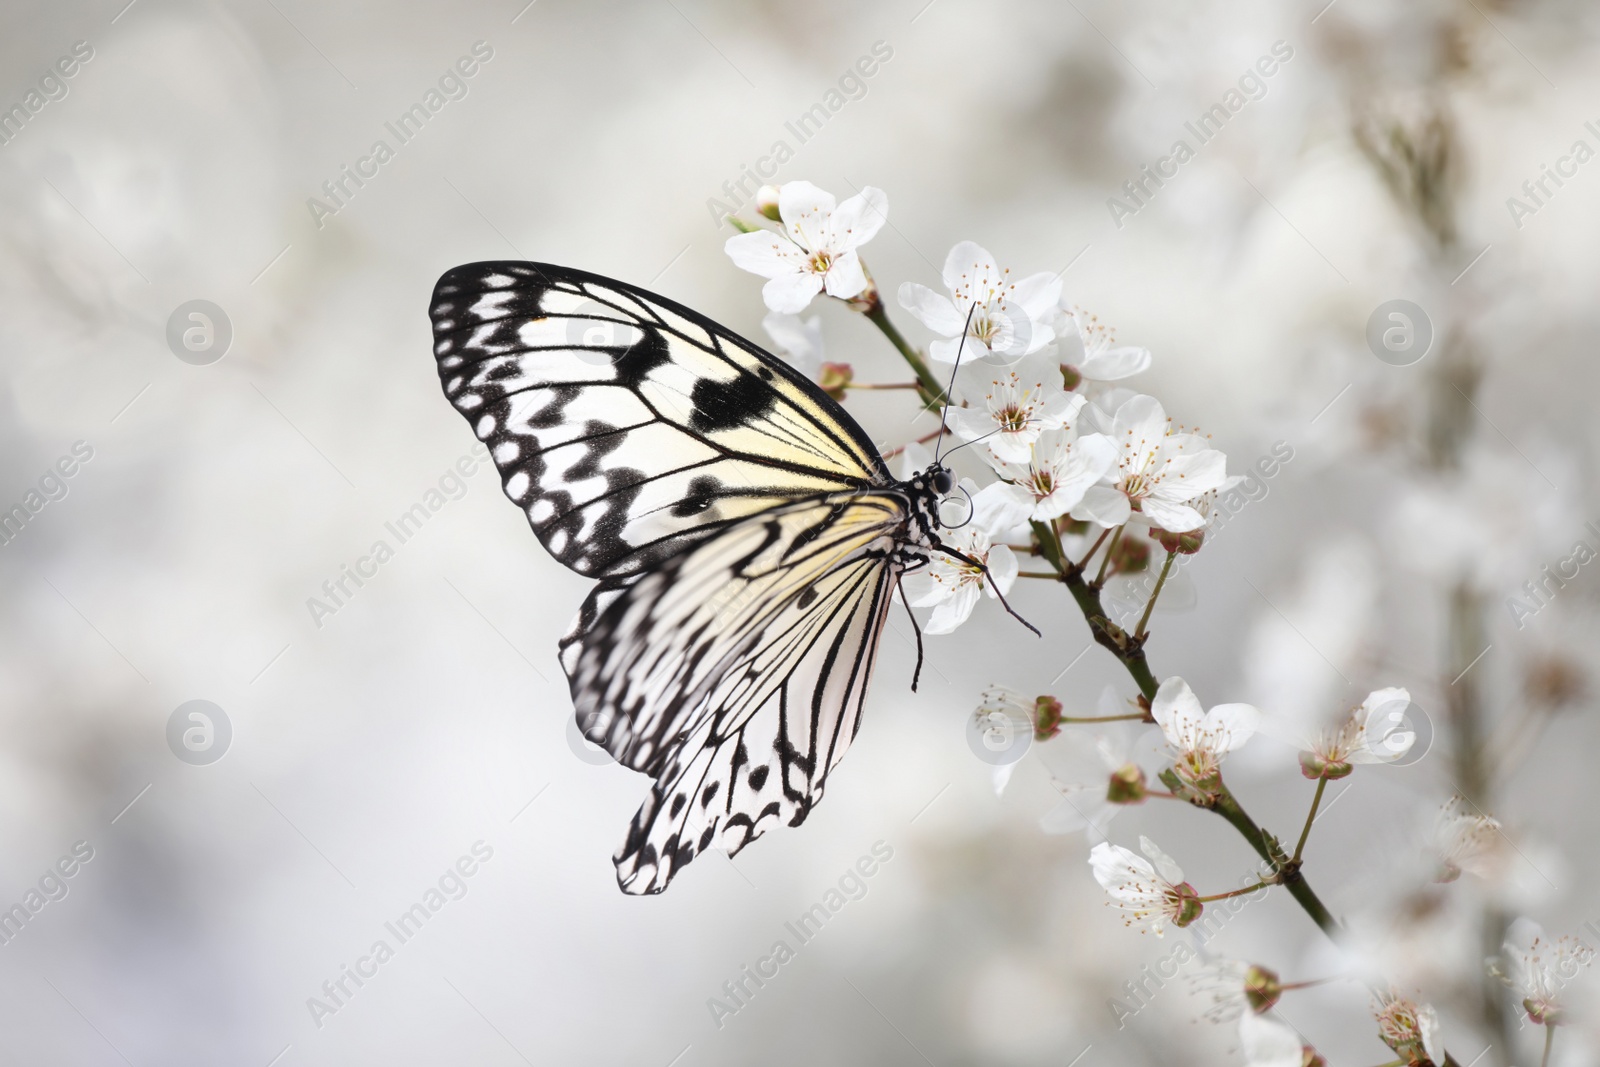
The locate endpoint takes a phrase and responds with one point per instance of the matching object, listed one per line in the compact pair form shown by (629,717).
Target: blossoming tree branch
(1090,480)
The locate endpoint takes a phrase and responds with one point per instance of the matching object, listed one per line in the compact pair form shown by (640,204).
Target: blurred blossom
(1098,776)
(1329,611)
(1007,318)
(1199,738)
(1235,987)
(1150,892)
(799,339)
(1156,471)
(1465,841)
(1538,970)
(816,251)
(1267,1042)
(1412,1030)
(1493,523)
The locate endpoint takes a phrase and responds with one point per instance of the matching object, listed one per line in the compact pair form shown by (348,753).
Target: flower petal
(1177,711)
(968,270)
(765,253)
(953,611)
(932,309)
(1266,1042)
(859,219)
(1103,505)
(806,212)
(1003,569)
(1231,725)
(1165,865)
(846,278)
(1114,364)
(1037,294)
(790,293)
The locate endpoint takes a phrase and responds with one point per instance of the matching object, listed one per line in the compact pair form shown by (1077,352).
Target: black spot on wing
(703,489)
(724,405)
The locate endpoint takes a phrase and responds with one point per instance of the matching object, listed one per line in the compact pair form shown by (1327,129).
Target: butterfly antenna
(984,568)
(916,674)
(951,388)
(972,509)
(974,441)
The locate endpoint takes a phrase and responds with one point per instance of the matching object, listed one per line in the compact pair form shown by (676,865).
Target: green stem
(1144,620)
(1136,716)
(1268,848)
(1108,634)
(929,388)
(1549,1040)
(1311,817)
(1240,892)
(1100,576)
(1084,562)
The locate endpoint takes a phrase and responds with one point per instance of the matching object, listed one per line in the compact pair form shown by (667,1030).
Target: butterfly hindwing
(625,425)
(734,674)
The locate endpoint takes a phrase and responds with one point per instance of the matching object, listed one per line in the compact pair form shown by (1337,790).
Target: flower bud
(767,202)
(1262,989)
(835,378)
(1189,906)
(1046,717)
(1127,785)
(1187,543)
(1130,556)
(1314,766)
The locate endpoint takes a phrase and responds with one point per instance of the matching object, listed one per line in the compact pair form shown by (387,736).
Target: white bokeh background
(371,752)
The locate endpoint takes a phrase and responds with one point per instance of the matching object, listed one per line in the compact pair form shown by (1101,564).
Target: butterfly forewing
(622,423)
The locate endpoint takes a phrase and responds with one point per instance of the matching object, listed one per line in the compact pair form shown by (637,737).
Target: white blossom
(1374,732)
(1539,970)
(816,250)
(1151,892)
(1011,318)
(1235,987)
(1466,841)
(1157,472)
(1200,738)
(1060,468)
(1097,762)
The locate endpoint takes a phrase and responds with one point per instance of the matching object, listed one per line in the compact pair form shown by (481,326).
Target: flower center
(820,262)
(1012,417)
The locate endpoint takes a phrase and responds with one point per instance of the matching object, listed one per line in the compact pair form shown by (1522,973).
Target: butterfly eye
(943,481)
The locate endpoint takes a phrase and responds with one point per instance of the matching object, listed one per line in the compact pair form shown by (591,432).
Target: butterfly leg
(916,674)
(981,566)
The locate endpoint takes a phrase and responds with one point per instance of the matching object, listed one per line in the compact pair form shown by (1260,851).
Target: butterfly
(745,533)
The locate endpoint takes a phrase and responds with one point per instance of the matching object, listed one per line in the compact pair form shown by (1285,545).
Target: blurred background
(348,758)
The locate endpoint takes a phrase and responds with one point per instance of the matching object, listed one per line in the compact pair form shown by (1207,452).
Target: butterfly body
(745,533)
